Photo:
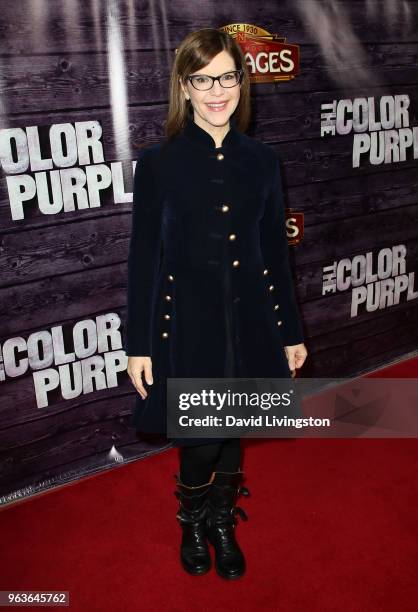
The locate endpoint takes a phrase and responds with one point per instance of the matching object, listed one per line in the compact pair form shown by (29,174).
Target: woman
(210,292)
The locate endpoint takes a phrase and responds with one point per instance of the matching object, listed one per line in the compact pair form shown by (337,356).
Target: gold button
(170,277)
(167,317)
(168,298)
(232,236)
(271,287)
(235,263)
(225,208)
(279,322)
(164,335)
(276,307)
(265,272)
(220,156)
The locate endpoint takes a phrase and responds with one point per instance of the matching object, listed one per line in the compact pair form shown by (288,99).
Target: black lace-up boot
(221,522)
(192,514)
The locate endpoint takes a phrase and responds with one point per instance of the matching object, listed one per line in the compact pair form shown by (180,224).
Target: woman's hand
(296,355)
(137,365)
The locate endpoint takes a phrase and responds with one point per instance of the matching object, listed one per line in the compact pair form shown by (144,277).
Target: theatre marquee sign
(268,56)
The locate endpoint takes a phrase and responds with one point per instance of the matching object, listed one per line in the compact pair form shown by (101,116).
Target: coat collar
(202,138)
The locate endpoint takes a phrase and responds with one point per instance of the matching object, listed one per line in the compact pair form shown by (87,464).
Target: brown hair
(194,53)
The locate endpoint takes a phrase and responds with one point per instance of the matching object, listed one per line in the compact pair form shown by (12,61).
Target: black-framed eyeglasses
(203,82)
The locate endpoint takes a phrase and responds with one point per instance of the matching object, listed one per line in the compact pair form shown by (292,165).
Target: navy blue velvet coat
(210,291)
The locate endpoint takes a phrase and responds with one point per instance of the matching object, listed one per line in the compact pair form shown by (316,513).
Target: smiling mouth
(216,106)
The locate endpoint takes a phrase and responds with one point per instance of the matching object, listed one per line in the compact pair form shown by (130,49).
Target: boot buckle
(241,512)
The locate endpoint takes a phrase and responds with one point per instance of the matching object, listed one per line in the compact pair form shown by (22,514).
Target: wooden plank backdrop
(58,269)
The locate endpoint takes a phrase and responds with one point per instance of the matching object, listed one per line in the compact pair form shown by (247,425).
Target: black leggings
(198,462)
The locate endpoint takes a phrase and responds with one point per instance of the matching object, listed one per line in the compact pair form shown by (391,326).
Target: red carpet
(332,526)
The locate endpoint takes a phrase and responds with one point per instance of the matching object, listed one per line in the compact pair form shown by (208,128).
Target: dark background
(59,63)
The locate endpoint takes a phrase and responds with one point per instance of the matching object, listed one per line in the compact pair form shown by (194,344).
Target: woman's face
(202,100)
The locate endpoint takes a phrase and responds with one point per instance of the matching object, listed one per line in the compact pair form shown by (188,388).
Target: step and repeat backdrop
(83,85)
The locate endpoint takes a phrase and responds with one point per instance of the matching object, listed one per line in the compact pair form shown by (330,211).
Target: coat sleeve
(143,257)
(275,250)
